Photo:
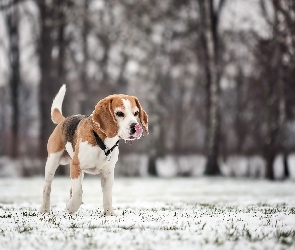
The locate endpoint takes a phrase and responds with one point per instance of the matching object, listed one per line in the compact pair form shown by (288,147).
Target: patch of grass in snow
(92,245)
(93,227)
(5,216)
(232,235)
(285,237)
(275,209)
(29,213)
(218,241)
(128,227)
(25,229)
(205,205)
(253,236)
(171,227)
(73,225)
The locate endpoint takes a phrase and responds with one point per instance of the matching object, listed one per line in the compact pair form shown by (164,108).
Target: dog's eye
(136,113)
(120,114)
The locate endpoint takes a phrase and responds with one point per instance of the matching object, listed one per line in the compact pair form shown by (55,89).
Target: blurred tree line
(207,89)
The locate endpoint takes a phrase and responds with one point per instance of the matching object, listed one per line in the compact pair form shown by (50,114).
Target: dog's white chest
(92,159)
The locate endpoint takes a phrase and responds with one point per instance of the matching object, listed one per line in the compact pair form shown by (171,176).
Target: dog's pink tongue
(138,131)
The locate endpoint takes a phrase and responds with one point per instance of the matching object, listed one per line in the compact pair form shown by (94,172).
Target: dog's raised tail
(56,111)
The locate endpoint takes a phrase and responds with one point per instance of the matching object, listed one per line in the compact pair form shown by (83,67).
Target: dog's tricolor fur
(73,141)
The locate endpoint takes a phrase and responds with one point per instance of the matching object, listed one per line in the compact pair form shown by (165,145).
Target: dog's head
(119,115)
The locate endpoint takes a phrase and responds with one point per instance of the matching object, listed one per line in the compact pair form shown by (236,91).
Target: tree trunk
(179,112)
(283,124)
(84,80)
(269,173)
(61,72)
(283,128)
(61,46)
(159,150)
(12,25)
(152,168)
(271,145)
(238,123)
(211,38)
(47,87)
(286,166)
(274,125)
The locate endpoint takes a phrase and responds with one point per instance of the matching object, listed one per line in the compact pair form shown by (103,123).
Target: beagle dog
(90,144)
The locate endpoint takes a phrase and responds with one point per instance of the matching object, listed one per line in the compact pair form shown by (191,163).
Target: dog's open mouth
(138,132)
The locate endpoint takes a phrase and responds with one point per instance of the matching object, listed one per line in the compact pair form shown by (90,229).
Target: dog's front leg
(76,189)
(107,180)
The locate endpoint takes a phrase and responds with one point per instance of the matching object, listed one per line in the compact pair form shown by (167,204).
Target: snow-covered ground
(182,213)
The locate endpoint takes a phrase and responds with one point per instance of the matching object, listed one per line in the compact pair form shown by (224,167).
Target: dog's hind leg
(52,163)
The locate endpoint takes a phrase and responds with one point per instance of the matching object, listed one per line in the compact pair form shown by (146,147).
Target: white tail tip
(57,101)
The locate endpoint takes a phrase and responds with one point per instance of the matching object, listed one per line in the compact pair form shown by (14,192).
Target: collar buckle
(108,157)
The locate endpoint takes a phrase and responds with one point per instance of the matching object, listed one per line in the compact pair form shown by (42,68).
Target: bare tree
(282,23)
(210,37)
(12,20)
(286,29)
(52,36)
(84,79)
(47,86)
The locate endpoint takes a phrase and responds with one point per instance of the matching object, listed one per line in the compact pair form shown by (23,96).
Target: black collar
(103,146)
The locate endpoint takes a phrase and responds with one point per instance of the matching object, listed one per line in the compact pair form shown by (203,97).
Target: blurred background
(216,77)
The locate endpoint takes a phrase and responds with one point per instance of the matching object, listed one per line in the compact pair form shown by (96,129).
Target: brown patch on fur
(142,116)
(117,101)
(103,115)
(75,170)
(57,116)
(86,133)
(93,126)
(55,143)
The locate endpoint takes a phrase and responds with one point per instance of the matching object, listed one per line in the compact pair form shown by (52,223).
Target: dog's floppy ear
(142,116)
(104,117)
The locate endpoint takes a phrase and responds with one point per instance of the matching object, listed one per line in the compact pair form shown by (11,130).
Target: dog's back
(69,128)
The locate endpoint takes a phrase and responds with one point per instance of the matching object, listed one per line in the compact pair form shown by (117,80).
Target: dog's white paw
(109,212)
(74,204)
(44,209)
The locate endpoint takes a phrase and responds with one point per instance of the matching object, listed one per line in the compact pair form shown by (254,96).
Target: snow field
(205,213)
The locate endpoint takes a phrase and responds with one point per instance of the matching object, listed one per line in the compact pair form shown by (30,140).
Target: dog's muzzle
(135,131)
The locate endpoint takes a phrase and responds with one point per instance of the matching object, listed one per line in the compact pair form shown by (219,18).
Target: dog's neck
(109,142)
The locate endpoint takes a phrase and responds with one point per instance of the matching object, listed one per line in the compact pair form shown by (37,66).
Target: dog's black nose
(132,128)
